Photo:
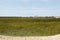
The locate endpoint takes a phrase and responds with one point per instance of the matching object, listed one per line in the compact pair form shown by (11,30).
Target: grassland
(29,26)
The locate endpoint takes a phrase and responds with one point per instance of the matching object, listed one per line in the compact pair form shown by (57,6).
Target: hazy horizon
(29,7)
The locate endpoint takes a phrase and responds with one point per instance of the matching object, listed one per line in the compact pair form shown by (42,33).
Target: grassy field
(29,26)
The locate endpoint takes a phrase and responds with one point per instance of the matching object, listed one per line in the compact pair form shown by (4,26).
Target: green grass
(15,26)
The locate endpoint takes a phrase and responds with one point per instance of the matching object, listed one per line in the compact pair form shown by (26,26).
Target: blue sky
(29,7)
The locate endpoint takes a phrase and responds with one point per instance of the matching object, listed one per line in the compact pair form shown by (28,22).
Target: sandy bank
(55,37)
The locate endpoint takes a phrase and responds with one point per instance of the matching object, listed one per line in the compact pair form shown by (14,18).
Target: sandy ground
(55,37)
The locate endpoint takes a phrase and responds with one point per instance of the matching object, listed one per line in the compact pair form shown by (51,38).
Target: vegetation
(29,26)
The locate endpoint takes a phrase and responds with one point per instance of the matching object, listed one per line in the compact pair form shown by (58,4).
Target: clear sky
(29,7)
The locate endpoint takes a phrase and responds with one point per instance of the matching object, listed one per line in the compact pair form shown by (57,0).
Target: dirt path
(56,37)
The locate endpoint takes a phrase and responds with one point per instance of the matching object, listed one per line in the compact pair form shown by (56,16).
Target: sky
(29,7)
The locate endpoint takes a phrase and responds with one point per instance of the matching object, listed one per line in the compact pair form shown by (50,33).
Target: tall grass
(27,26)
